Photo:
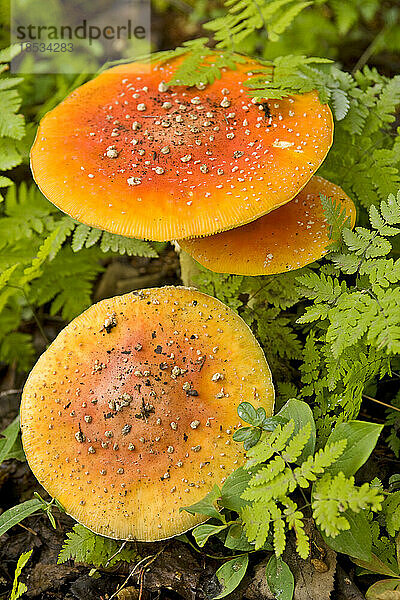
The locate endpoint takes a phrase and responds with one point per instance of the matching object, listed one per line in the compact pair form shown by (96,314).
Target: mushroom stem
(189,267)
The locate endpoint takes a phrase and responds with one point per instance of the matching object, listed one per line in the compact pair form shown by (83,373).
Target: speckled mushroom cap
(126,154)
(288,238)
(129,414)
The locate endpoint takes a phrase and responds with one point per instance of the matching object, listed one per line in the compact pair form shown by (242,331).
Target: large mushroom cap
(126,154)
(129,414)
(288,238)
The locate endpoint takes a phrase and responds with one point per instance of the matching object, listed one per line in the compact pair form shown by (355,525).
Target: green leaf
(280,578)
(248,435)
(201,533)
(231,574)
(361,440)
(376,590)
(9,155)
(7,54)
(11,124)
(301,413)
(356,541)
(376,565)
(247,412)
(257,417)
(207,505)
(10,434)
(18,513)
(236,539)
(124,245)
(5,182)
(19,588)
(232,489)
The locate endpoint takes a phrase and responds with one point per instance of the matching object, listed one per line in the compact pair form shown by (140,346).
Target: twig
(27,529)
(116,553)
(9,393)
(380,402)
(151,558)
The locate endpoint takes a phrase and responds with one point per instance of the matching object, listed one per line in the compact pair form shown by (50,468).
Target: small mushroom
(115,472)
(200,161)
(287,238)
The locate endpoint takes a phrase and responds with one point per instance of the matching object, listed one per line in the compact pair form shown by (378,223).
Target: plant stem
(380,402)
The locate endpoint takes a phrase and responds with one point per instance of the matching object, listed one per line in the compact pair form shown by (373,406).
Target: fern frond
(295,521)
(296,444)
(333,496)
(337,219)
(315,465)
(256,523)
(82,545)
(270,443)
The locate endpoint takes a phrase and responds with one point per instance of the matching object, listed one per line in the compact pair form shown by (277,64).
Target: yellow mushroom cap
(127,154)
(287,238)
(129,414)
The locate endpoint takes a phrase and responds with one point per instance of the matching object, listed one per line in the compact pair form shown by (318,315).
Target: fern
(86,237)
(38,268)
(12,123)
(391,511)
(336,218)
(369,309)
(84,546)
(393,421)
(67,282)
(243,18)
(268,496)
(356,321)
(333,496)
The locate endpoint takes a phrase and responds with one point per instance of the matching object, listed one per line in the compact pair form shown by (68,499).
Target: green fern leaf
(123,245)
(82,545)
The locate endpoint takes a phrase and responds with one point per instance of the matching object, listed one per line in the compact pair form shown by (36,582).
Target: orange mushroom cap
(126,154)
(129,414)
(288,238)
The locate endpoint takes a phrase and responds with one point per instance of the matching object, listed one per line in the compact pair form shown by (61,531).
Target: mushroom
(288,238)
(128,154)
(129,414)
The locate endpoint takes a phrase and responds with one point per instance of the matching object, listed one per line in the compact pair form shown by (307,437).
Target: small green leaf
(247,412)
(10,434)
(236,539)
(280,578)
(301,413)
(248,435)
(18,513)
(356,541)
(258,417)
(19,588)
(243,433)
(202,532)
(361,440)
(207,505)
(231,574)
(233,488)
